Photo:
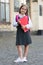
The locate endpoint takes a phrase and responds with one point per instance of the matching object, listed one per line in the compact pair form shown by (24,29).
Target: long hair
(26,8)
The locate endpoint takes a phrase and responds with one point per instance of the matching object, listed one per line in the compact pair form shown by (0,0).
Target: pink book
(24,21)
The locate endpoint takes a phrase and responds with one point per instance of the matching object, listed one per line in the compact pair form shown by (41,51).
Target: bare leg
(26,50)
(20,51)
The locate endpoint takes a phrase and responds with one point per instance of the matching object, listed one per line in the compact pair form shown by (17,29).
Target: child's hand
(18,21)
(23,27)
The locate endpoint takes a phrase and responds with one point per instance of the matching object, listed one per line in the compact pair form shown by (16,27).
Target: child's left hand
(23,27)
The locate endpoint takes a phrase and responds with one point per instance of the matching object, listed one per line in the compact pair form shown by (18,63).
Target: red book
(24,21)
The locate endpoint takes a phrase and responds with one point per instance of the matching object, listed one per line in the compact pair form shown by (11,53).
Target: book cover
(24,21)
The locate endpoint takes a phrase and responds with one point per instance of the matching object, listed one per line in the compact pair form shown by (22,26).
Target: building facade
(8,8)
(37,15)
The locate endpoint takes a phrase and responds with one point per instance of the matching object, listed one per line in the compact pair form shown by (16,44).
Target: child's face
(23,10)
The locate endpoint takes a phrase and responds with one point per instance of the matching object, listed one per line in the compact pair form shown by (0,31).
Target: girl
(23,38)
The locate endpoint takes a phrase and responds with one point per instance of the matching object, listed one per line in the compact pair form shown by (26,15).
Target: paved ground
(8,50)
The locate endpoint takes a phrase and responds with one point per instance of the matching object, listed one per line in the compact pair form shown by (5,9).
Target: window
(2,0)
(40,10)
(28,3)
(34,0)
(7,1)
(4,11)
(16,5)
(7,12)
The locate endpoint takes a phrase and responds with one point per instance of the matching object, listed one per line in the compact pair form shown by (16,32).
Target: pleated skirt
(23,38)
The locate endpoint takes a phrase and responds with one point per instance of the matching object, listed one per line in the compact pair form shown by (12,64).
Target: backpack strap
(17,17)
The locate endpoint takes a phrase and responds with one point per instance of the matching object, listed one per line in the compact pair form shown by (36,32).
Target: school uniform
(23,38)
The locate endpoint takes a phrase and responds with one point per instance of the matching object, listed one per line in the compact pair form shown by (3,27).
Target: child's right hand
(23,27)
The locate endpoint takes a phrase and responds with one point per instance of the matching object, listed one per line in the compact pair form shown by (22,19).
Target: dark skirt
(23,38)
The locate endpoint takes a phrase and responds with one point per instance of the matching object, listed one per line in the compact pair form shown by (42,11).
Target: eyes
(23,8)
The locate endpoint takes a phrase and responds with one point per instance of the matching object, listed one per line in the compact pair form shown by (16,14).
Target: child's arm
(30,24)
(14,23)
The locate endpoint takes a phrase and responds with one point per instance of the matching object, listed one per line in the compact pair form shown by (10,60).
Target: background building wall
(40,3)
(11,12)
(37,15)
(34,15)
(36,18)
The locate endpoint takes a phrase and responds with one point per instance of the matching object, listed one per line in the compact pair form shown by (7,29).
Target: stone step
(7,28)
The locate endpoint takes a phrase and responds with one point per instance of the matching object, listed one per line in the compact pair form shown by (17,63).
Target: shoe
(24,59)
(18,60)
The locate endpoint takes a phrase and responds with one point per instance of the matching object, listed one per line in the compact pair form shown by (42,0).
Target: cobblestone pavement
(8,50)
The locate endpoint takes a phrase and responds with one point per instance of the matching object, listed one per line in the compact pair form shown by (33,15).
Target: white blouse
(28,25)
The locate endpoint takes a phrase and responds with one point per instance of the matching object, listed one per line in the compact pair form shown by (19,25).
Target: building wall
(37,19)
(40,16)
(34,15)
